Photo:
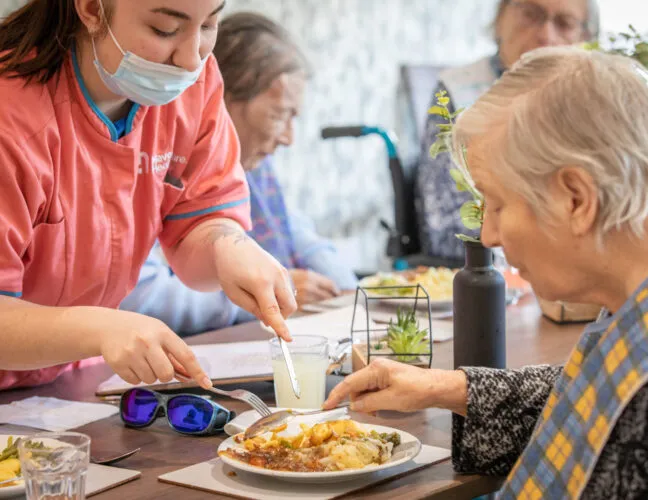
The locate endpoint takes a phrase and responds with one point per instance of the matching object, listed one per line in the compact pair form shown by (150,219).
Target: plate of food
(399,288)
(337,450)
(10,467)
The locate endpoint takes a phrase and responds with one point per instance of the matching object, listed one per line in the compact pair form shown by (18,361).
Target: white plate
(396,301)
(512,296)
(408,449)
(243,420)
(10,491)
(435,305)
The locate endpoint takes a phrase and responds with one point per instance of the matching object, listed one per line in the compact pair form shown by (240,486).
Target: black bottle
(479,311)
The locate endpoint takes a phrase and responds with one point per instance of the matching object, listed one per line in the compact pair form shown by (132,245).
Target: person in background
(265,74)
(565,197)
(520,26)
(114,134)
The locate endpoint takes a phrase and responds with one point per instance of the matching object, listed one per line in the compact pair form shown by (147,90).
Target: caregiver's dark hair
(36,39)
(252,51)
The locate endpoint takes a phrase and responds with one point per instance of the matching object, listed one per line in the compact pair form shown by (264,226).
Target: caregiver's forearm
(34,336)
(193,259)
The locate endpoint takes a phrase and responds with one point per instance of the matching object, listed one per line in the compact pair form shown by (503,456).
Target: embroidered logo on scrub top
(159,163)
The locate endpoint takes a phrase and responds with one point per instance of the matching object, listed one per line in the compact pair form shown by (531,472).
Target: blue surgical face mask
(145,82)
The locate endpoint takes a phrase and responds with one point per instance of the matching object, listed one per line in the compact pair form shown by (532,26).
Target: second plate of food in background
(437,282)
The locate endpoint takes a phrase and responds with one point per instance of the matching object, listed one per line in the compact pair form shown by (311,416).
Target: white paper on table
(252,359)
(220,361)
(52,414)
(216,477)
(442,331)
(335,325)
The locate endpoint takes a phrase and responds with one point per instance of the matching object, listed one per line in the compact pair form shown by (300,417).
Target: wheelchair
(403,244)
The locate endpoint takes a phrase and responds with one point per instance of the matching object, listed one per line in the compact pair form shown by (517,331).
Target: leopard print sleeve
(503,407)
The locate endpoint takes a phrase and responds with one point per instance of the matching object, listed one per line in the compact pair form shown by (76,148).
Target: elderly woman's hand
(312,287)
(388,385)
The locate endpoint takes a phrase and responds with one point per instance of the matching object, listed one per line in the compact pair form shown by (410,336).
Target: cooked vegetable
(9,463)
(327,446)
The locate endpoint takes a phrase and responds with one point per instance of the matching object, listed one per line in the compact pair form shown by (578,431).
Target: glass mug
(310,355)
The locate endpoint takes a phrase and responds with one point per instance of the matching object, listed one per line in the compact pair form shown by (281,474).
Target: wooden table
(531,339)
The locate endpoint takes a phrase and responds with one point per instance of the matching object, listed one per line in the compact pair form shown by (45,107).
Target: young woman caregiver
(113,133)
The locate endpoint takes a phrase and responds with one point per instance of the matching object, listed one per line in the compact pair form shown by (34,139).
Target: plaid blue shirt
(604,372)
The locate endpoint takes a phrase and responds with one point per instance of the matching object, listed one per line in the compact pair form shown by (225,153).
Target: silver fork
(241,394)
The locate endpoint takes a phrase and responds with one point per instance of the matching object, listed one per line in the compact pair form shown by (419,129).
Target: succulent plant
(405,338)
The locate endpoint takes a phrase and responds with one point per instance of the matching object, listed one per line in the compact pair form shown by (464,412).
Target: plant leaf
(470,214)
(439,111)
(457,176)
(464,237)
(456,113)
(591,45)
(460,180)
(641,48)
(438,147)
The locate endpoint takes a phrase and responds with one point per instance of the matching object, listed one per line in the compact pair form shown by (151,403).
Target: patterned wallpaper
(356,48)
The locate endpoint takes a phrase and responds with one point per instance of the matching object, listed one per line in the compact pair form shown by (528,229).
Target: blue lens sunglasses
(186,413)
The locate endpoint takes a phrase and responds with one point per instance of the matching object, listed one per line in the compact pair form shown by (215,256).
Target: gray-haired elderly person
(520,26)
(558,148)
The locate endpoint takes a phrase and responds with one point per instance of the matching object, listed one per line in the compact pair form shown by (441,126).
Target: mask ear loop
(105,20)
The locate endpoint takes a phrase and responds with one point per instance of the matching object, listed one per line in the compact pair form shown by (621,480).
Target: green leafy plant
(471,212)
(405,338)
(628,43)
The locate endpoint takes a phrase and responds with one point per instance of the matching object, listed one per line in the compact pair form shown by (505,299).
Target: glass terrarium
(393,322)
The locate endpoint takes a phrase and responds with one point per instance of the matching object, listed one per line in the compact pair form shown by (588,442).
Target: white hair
(562,107)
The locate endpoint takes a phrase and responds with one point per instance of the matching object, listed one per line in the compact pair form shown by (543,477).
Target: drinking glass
(54,465)
(310,355)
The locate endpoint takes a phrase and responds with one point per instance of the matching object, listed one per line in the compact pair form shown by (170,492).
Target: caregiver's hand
(388,385)
(253,279)
(143,349)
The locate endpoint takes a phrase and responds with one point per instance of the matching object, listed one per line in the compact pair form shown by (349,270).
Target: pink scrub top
(80,208)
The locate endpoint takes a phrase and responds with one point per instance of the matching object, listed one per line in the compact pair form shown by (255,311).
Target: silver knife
(291,368)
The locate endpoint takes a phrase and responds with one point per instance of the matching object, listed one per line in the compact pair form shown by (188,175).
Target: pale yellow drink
(310,358)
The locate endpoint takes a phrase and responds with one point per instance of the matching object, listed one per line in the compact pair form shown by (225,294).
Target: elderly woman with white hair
(559,149)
